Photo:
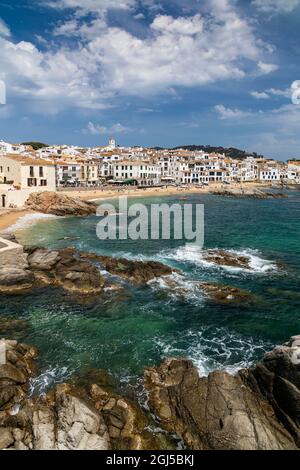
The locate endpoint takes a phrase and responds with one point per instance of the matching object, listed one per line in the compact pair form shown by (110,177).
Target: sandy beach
(10,217)
(98,194)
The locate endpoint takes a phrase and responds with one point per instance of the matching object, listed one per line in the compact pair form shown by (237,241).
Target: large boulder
(59,204)
(15,279)
(64,268)
(277,378)
(257,409)
(18,367)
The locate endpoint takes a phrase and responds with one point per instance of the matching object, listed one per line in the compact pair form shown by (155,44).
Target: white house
(21,175)
(144,173)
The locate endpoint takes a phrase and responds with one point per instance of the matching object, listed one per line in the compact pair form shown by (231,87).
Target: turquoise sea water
(125,332)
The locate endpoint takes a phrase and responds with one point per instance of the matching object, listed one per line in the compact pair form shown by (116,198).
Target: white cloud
(91,5)
(229,113)
(265,68)
(286,93)
(183,26)
(276,6)
(139,16)
(100,129)
(4,30)
(260,95)
(109,62)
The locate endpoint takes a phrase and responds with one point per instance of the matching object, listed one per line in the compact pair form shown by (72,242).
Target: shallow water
(125,332)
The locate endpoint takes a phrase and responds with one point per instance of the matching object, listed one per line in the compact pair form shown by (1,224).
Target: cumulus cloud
(229,113)
(110,62)
(285,93)
(183,26)
(4,30)
(260,95)
(100,129)
(276,6)
(265,68)
(90,5)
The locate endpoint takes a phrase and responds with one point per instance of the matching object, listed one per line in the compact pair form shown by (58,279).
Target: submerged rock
(226,258)
(257,409)
(227,294)
(59,204)
(252,193)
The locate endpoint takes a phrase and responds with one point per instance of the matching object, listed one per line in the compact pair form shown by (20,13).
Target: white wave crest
(196,256)
(178,287)
(28,220)
(214,349)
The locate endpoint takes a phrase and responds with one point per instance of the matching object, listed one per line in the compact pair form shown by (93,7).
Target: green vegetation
(35,145)
(229,152)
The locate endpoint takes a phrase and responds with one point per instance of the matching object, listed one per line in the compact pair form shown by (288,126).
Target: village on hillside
(24,170)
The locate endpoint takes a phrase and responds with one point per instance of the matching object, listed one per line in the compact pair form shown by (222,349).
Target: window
(41,172)
(31,171)
(31,182)
(8,169)
(43,183)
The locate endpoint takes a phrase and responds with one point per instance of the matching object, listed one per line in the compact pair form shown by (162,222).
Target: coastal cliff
(256,409)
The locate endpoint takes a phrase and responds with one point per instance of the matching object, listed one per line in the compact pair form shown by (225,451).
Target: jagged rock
(15,373)
(133,270)
(226,258)
(256,409)
(6,438)
(277,377)
(43,260)
(15,279)
(218,412)
(72,417)
(227,294)
(63,268)
(59,204)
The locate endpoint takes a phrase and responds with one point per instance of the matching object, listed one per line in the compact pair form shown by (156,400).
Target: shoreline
(10,217)
(98,195)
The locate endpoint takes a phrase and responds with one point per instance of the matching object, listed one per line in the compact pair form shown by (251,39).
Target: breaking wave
(194,255)
(178,287)
(214,349)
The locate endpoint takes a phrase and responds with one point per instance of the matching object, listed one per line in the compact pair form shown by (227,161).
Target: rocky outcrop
(257,409)
(132,270)
(15,373)
(15,279)
(223,294)
(64,268)
(248,193)
(226,258)
(69,417)
(59,204)
(73,271)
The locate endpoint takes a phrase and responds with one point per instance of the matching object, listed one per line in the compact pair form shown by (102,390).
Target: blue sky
(152,72)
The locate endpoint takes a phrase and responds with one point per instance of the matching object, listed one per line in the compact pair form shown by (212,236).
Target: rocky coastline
(256,409)
(251,193)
